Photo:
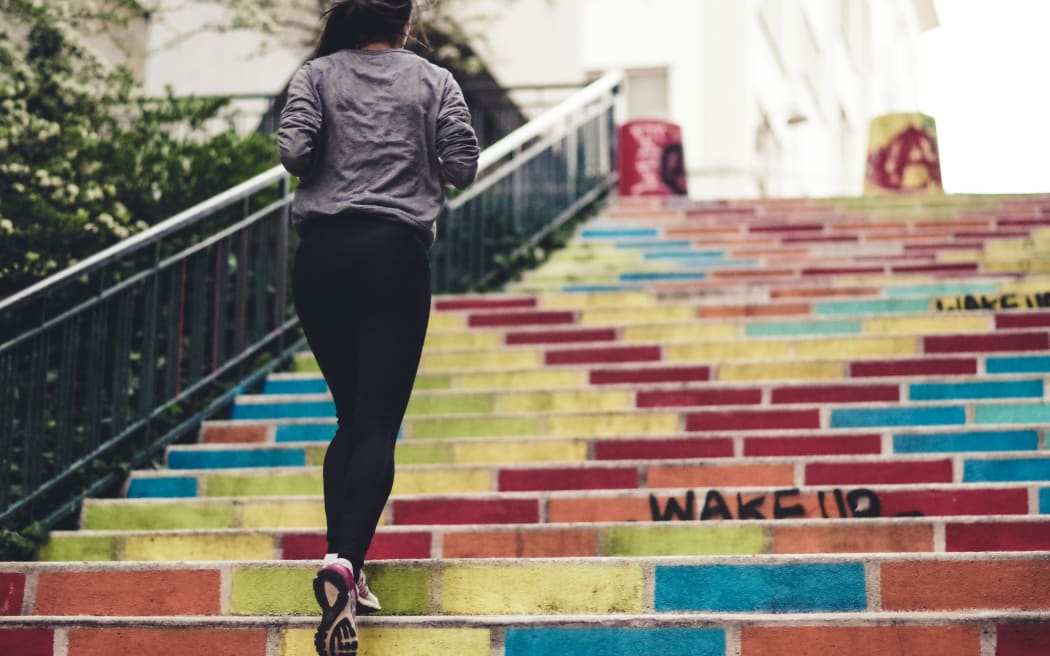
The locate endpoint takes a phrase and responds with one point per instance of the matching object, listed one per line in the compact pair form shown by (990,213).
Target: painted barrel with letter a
(902,155)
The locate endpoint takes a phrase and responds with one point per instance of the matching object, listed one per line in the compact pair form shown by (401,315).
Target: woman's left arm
(300,124)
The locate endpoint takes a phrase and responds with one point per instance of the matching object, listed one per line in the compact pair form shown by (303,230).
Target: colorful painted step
(752,584)
(674,537)
(683,634)
(713,502)
(307,443)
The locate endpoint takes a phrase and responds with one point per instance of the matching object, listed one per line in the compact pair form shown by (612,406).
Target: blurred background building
(774,96)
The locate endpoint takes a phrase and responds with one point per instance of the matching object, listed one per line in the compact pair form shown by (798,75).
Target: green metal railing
(105,363)
(111,359)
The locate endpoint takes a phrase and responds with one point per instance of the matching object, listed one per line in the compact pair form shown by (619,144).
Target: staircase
(779,427)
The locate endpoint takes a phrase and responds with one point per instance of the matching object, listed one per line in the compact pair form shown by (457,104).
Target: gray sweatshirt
(376,132)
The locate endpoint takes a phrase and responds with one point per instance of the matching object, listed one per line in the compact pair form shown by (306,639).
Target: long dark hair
(357,23)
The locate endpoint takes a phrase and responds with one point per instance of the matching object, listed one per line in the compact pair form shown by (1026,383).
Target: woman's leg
(363,296)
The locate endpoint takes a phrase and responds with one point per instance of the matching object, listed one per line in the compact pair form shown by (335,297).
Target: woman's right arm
(300,124)
(457,145)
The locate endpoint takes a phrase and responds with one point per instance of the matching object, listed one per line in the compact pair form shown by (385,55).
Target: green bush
(85,158)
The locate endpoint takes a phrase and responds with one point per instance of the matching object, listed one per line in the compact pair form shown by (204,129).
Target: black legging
(362,290)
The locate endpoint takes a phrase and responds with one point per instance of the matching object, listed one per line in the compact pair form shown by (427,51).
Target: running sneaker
(367,602)
(336,593)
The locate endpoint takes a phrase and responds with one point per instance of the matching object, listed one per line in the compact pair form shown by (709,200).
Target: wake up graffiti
(789,503)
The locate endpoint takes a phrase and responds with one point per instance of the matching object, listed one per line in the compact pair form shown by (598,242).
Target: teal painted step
(1026,440)
(615,641)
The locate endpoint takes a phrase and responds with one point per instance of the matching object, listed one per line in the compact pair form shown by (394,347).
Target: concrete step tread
(684,619)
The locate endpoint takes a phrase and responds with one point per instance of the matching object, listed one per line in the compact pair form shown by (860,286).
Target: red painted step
(961,501)
(1023,319)
(465,511)
(561,336)
(834,271)
(452,305)
(605,355)
(956,267)
(753,420)
(1022,640)
(1007,536)
(385,546)
(567,478)
(836,394)
(650,375)
(914,367)
(669,449)
(983,343)
(839,445)
(672,399)
(27,642)
(520,319)
(878,473)
(12,592)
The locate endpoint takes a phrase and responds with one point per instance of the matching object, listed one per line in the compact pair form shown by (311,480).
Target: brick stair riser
(713,501)
(579,540)
(885,634)
(795,584)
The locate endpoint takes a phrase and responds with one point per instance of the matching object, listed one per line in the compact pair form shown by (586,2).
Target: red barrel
(652,162)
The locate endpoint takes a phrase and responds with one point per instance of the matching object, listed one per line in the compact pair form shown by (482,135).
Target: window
(647,93)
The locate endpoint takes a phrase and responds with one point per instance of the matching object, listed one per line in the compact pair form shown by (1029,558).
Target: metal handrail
(604,86)
(151,235)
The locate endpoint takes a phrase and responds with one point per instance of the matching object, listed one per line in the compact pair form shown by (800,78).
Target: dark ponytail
(357,23)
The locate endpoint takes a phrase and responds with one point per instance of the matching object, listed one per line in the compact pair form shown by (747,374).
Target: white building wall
(737,72)
(774,96)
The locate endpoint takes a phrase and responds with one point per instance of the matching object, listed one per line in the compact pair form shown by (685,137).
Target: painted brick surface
(27,642)
(836,394)
(881,473)
(12,593)
(616,642)
(957,502)
(987,343)
(862,640)
(962,585)
(657,449)
(898,416)
(465,511)
(813,446)
(752,420)
(778,588)
(171,592)
(606,355)
(522,480)
(1027,440)
(548,588)
(914,367)
(699,397)
(186,642)
(557,543)
(977,390)
(900,538)
(650,375)
(1022,639)
(1021,469)
(1005,536)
